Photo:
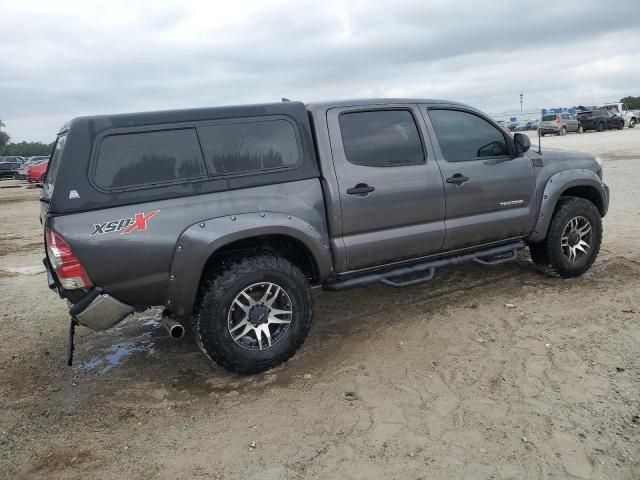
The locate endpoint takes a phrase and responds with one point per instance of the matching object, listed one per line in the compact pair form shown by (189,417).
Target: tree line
(22,149)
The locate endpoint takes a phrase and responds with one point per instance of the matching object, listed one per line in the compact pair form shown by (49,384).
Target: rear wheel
(574,237)
(563,131)
(580,129)
(253,314)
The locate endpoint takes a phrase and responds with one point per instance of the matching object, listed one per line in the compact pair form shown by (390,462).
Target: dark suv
(600,120)
(227,217)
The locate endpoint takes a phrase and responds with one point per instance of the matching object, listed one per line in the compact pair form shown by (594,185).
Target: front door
(391,190)
(490,193)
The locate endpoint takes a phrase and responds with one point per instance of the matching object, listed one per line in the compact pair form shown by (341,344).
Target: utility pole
(521,97)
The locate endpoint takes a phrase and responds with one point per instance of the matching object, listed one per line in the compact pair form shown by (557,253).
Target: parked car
(630,117)
(21,173)
(12,159)
(600,120)
(559,124)
(8,169)
(227,217)
(37,171)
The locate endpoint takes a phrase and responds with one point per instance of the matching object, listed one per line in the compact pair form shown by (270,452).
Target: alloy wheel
(260,316)
(576,239)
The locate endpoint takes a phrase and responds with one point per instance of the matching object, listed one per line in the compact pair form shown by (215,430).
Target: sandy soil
(446,381)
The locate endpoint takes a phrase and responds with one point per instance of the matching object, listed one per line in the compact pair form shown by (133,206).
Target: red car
(36,172)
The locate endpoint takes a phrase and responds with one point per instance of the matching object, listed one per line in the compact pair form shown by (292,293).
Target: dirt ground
(446,381)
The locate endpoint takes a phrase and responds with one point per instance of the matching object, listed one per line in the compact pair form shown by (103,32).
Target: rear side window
(381,138)
(54,165)
(248,146)
(464,136)
(135,159)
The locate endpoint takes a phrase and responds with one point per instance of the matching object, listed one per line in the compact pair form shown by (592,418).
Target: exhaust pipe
(174,329)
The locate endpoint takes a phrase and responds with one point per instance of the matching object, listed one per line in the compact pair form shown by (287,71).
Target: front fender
(198,242)
(553,190)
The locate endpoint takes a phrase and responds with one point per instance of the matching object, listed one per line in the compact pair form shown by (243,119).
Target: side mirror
(522,143)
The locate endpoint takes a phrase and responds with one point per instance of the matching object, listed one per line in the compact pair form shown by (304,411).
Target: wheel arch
(204,244)
(581,183)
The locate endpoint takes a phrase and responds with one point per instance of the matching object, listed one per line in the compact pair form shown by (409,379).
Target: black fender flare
(556,185)
(201,240)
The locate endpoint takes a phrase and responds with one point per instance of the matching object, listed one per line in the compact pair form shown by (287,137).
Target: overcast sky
(61,59)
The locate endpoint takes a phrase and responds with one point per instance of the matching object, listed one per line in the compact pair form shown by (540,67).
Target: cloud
(92,57)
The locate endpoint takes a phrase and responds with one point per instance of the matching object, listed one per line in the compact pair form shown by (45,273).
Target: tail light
(557,118)
(68,268)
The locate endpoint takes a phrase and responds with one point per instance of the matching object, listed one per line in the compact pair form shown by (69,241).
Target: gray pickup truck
(228,217)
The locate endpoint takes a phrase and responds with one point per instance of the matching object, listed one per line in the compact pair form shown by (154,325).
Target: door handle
(361,190)
(458,179)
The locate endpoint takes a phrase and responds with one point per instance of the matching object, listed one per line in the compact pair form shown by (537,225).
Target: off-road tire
(217,292)
(568,208)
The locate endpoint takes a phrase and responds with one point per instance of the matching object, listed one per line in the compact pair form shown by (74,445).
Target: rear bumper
(96,310)
(99,311)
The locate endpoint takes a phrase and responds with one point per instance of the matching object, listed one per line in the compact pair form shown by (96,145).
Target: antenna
(539,145)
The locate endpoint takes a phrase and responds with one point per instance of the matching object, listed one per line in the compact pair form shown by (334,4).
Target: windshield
(54,165)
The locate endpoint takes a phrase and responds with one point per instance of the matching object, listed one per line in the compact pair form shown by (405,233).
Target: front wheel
(620,125)
(632,123)
(574,237)
(253,314)
(580,129)
(563,131)
(600,127)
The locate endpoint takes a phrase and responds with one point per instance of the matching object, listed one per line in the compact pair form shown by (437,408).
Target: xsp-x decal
(125,225)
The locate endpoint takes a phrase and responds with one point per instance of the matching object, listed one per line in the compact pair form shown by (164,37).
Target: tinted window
(54,166)
(549,118)
(249,146)
(464,136)
(149,157)
(385,138)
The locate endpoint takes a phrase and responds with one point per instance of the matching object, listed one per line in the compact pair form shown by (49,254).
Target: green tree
(4,138)
(28,149)
(633,102)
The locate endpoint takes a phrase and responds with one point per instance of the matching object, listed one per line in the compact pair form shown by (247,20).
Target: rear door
(490,194)
(390,187)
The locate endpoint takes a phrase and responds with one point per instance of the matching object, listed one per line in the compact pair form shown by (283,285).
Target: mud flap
(72,334)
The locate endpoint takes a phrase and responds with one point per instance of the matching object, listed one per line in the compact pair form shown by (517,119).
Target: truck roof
(326,104)
(258,109)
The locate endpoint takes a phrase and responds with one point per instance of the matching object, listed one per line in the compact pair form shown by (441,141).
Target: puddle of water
(117,354)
